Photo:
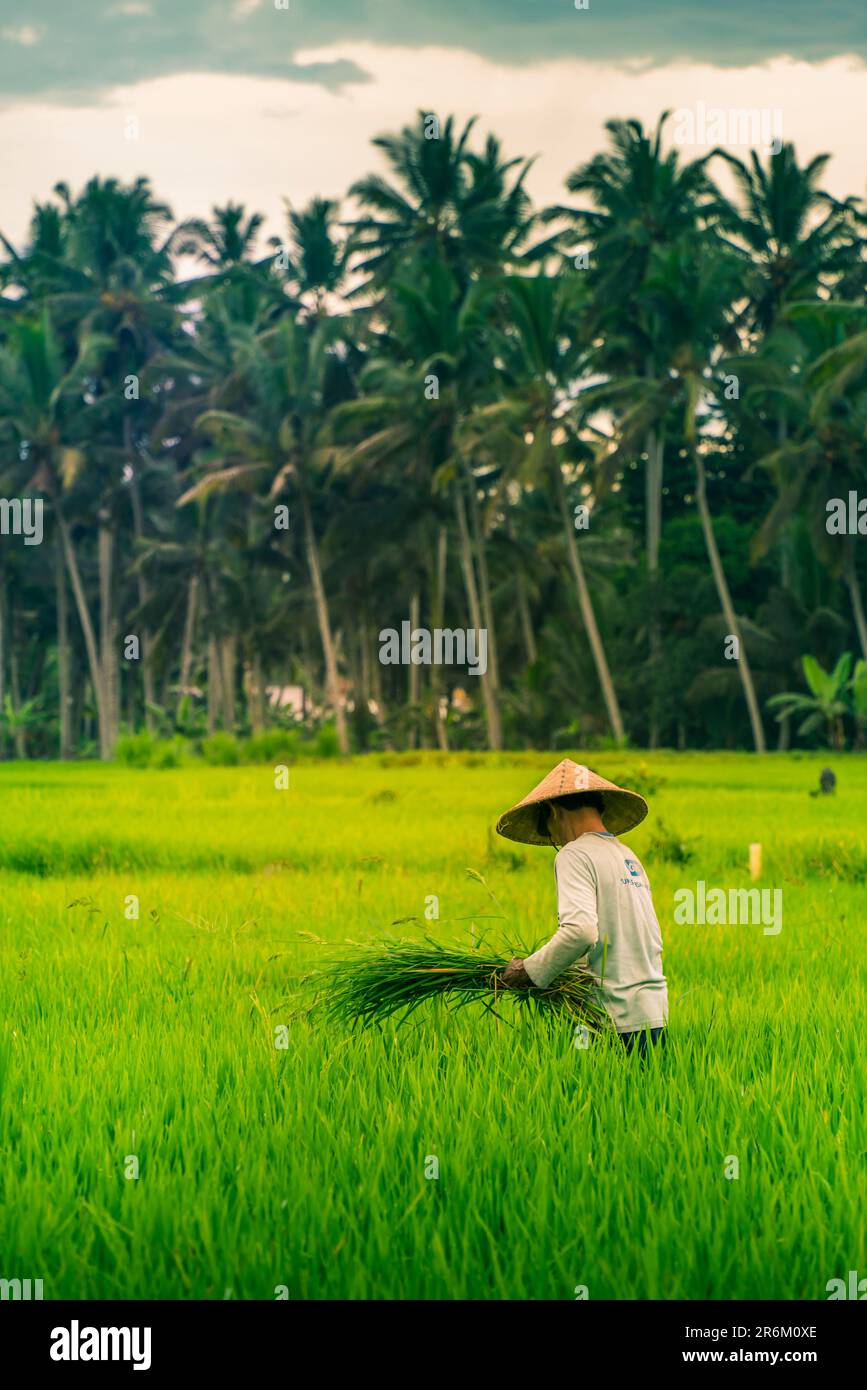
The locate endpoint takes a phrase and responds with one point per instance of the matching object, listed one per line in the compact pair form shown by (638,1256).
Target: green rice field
(176,1124)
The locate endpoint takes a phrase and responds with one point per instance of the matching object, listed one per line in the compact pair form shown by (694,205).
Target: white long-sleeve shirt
(605,911)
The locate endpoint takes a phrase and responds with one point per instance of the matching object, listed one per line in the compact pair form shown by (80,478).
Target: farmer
(604,905)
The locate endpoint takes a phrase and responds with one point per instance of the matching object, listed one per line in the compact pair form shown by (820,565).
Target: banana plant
(827,701)
(858,692)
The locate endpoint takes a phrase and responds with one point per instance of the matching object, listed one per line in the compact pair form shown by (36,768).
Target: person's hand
(515,976)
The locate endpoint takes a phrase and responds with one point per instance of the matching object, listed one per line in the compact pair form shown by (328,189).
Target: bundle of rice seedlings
(394,978)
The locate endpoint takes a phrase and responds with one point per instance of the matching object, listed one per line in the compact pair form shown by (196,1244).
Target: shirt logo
(636,878)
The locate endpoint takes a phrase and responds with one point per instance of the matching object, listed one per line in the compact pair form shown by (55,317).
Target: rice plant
(394,978)
(276,1151)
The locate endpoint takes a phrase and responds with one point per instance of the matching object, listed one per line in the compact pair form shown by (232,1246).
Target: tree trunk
(108,629)
(414,690)
(653,497)
(588,616)
(3,644)
(492,712)
(96,676)
(143,586)
(255,693)
(261,689)
(365,698)
(187,645)
(215,684)
(375,668)
(18,737)
(653,510)
(851,577)
(527,632)
(63,683)
(785,543)
(484,584)
(725,599)
(439,621)
(227,654)
(78,683)
(332,684)
(364,664)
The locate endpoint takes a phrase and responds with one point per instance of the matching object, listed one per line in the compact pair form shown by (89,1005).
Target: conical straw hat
(621,809)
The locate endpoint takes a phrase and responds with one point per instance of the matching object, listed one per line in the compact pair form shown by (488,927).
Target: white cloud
(26,35)
(242,9)
(206,138)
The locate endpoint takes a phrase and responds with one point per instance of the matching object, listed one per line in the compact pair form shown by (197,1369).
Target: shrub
(326,743)
(639,779)
(272,746)
(170,752)
(670,847)
(135,750)
(221,750)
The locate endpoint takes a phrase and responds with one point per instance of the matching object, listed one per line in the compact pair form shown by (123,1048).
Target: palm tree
(692,286)
(467,209)
(828,456)
(267,411)
(799,239)
(226,241)
(460,215)
(315,260)
(540,362)
(285,372)
(427,338)
(642,200)
(799,243)
(102,263)
(42,405)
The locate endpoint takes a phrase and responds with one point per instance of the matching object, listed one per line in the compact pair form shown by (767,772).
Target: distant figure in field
(827,783)
(604,904)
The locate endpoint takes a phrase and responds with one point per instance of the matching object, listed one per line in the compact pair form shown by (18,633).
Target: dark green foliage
(431,394)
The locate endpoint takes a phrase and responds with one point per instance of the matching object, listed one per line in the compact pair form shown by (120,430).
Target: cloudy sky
(239,98)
